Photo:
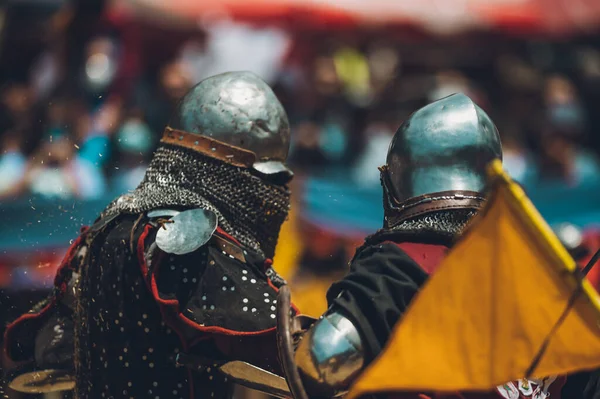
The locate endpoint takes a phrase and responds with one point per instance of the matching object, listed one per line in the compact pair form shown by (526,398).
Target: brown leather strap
(213,148)
(229,248)
(435,202)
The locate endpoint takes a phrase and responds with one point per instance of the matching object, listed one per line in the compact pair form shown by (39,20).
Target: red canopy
(543,16)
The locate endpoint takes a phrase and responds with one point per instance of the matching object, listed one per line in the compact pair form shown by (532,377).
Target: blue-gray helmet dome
(444,146)
(239,109)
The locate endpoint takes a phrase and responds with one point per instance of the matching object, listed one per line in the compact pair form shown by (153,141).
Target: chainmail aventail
(249,208)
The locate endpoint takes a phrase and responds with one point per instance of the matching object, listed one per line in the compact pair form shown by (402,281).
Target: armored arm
(330,355)
(364,306)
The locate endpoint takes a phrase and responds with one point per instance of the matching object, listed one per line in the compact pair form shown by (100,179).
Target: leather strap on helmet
(213,148)
(397,212)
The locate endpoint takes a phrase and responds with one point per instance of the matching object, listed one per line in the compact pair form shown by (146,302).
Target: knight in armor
(175,278)
(434,182)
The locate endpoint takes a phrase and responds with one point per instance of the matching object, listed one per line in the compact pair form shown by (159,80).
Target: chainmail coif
(249,208)
(448,223)
(441,226)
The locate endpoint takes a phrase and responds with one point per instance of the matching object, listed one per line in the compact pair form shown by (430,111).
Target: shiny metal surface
(187,231)
(43,381)
(161,213)
(239,109)
(444,146)
(330,356)
(250,376)
(69,298)
(270,167)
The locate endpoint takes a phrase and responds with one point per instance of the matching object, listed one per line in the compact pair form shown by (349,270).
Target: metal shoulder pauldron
(183,232)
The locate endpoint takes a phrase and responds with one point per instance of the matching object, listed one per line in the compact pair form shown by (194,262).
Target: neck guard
(248,207)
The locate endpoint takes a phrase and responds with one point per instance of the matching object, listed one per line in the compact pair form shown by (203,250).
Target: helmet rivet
(196,142)
(180,137)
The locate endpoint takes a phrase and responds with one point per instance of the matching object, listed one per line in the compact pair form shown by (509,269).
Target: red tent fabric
(528,16)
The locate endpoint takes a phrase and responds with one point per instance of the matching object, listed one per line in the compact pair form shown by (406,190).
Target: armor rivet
(180,138)
(196,142)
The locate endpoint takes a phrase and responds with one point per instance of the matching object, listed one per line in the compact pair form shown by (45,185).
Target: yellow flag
(497,303)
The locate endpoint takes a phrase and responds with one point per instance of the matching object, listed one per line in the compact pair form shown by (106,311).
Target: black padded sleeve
(382,281)
(591,384)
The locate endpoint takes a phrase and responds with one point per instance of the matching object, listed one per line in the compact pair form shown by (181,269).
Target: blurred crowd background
(87,87)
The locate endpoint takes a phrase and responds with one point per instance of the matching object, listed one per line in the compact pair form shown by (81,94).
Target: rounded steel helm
(443,147)
(239,110)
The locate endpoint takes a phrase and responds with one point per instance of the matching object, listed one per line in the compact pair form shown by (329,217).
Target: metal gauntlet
(330,356)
